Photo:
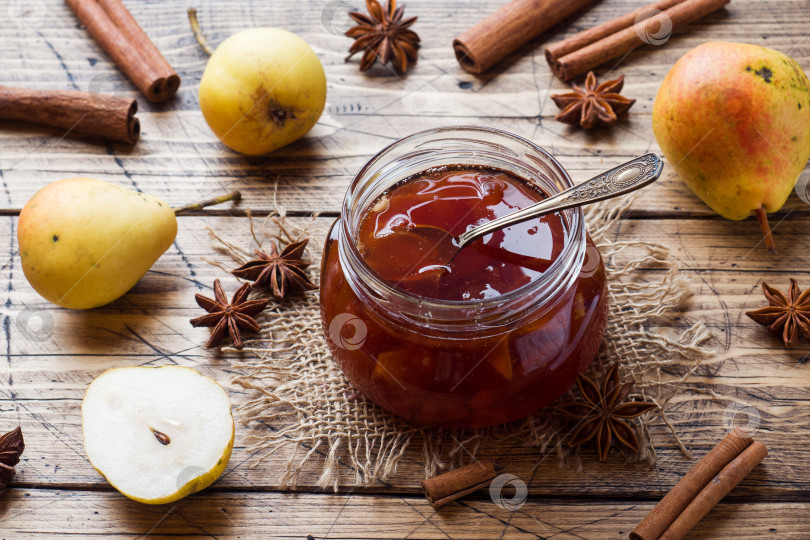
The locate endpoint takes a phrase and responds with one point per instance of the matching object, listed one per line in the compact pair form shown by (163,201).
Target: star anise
(11,447)
(385,35)
(278,271)
(602,414)
(228,318)
(593,105)
(786,315)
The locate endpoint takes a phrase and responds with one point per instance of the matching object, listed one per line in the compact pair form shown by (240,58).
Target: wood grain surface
(43,374)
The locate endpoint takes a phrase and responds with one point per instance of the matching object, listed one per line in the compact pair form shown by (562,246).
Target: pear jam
(476,373)
(453,199)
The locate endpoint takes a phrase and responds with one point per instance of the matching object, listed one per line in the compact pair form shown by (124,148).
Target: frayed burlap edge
(300,399)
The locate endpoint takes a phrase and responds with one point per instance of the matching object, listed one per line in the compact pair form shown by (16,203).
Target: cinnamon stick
(628,38)
(107,116)
(720,486)
(514,24)
(452,485)
(687,490)
(592,35)
(119,34)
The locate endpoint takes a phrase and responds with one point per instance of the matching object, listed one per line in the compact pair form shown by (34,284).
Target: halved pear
(157,434)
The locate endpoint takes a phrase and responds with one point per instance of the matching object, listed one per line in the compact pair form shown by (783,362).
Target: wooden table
(43,379)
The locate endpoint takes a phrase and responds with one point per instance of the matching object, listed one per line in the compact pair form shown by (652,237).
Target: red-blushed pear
(734,121)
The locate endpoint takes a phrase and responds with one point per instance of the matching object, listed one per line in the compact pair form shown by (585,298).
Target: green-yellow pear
(734,121)
(85,242)
(262,89)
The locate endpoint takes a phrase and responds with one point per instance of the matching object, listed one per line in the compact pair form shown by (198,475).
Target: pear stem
(232,196)
(197,31)
(762,217)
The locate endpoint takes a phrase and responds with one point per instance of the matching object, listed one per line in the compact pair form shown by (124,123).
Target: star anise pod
(278,271)
(11,447)
(228,318)
(602,413)
(593,105)
(385,35)
(786,315)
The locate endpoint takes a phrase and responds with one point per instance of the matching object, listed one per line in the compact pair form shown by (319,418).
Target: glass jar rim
(561,273)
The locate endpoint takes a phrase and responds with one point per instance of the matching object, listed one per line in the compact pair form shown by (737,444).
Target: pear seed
(161,437)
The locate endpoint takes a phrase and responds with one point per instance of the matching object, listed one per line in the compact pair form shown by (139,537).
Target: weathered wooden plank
(44,513)
(724,260)
(179,159)
(45,379)
(54,455)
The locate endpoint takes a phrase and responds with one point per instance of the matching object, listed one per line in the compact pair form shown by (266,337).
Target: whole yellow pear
(262,89)
(84,242)
(734,121)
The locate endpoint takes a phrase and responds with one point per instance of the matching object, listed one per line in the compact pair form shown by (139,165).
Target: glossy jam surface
(454,199)
(474,376)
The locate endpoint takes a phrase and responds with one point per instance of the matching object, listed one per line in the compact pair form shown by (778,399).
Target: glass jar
(469,363)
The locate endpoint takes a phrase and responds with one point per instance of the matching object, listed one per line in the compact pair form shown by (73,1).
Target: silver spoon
(627,177)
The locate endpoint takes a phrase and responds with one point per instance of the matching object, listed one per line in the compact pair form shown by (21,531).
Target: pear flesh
(157,434)
(84,242)
(734,121)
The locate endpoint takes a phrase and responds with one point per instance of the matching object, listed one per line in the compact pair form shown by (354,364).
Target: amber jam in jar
(492,335)
(452,198)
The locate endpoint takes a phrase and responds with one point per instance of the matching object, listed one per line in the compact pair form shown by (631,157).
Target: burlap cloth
(301,400)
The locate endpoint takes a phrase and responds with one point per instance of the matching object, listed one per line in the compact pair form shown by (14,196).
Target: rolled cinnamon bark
(514,24)
(625,40)
(452,485)
(106,116)
(681,496)
(121,37)
(719,487)
(592,35)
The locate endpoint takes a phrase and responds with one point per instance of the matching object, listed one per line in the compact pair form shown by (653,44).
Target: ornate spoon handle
(623,179)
